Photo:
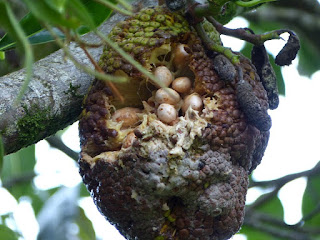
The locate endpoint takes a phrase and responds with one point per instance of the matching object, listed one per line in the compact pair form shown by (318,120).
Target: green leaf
(44,37)
(254,234)
(251,3)
(7,234)
(80,11)
(273,207)
(36,34)
(6,23)
(57,5)
(86,230)
(17,173)
(98,13)
(42,11)
(30,26)
(83,191)
(308,58)
(2,55)
(1,153)
(310,200)
(13,27)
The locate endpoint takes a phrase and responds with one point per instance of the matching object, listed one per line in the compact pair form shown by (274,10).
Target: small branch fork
(275,226)
(288,178)
(246,34)
(198,11)
(278,228)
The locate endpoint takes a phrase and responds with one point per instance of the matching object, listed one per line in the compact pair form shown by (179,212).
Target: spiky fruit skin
(182,181)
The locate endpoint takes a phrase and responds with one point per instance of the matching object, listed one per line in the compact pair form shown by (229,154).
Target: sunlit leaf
(58,5)
(86,231)
(311,200)
(80,11)
(7,234)
(98,13)
(2,55)
(42,11)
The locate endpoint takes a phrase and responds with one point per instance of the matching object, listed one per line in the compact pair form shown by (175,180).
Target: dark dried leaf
(250,105)
(260,60)
(289,51)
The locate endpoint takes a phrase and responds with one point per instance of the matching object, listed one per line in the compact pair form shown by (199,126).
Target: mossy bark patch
(36,124)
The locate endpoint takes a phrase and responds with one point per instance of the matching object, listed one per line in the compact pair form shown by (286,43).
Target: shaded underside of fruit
(172,160)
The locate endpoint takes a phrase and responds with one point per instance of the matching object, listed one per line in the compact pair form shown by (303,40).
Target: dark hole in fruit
(174,202)
(161,57)
(168,57)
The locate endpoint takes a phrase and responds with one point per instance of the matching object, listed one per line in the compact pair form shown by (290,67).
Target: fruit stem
(245,34)
(211,45)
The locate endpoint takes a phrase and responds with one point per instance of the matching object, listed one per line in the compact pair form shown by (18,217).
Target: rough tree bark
(54,96)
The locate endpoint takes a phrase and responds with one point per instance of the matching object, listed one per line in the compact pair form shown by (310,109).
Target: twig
(263,199)
(25,177)
(310,215)
(267,219)
(288,178)
(88,70)
(56,142)
(254,222)
(98,68)
(234,59)
(242,33)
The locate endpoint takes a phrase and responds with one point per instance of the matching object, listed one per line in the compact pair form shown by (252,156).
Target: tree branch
(57,143)
(25,177)
(54,96)
(256,221)
(288,178)
(305,21)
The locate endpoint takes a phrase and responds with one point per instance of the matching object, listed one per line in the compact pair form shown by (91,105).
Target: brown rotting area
(153,175)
